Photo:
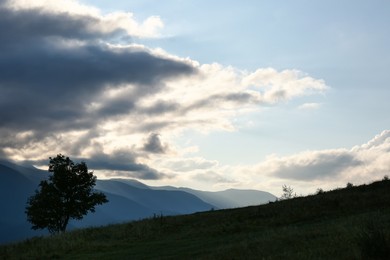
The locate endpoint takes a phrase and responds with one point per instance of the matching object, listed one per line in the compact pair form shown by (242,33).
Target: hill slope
(351,223)
(128,200)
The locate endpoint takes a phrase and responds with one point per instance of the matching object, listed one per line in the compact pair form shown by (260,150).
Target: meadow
(348,223)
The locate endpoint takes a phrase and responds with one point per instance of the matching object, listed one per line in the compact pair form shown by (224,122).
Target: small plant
(349,185)
(319,191)
(158,218)
(386,177)
(288,193)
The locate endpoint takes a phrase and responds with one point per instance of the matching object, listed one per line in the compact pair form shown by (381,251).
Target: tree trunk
(65,224)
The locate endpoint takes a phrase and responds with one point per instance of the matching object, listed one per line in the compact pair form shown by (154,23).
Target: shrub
(288,193)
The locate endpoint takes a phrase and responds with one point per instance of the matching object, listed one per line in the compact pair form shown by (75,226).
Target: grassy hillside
(350,223)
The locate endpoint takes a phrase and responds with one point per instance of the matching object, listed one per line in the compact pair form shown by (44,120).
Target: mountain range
(128,200)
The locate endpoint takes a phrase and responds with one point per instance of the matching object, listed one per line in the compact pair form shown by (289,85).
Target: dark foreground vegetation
(350,223)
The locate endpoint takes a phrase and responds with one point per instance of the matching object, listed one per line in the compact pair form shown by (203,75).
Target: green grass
(340,224)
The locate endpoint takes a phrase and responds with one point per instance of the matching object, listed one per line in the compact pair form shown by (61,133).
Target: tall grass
(373,239)
(341,224)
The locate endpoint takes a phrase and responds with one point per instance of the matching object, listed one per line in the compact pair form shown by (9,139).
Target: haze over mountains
(128,200)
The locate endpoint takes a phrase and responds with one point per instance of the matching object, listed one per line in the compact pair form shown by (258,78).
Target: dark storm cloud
(53,67)
(47,80)
(118,106)
(161,107)
(20,26)
(125,162)
(57,85)
(119,163)
(154,145)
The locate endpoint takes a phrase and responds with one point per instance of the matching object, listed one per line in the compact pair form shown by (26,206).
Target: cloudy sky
(203,94)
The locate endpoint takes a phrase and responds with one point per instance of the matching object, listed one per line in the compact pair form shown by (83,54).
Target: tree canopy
(67,194)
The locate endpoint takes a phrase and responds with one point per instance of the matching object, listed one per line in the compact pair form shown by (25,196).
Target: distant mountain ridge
(128,200)
(231,198)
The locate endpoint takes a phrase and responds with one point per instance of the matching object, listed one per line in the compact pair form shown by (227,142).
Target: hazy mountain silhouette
(128,200)
(15,188)
(231,198)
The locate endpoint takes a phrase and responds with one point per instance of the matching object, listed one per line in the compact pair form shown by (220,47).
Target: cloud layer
(331,168)
(305,171)
(72,80)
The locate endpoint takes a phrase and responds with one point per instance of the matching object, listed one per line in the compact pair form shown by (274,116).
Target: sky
(209,95)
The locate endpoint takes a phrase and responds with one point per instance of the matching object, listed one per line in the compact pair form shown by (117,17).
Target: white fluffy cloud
(280,86)
(305,171)
(210,99)
(326,168)
(310,106)
(308,166)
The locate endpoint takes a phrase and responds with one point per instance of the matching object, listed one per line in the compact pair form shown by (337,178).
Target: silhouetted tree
(68,194)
